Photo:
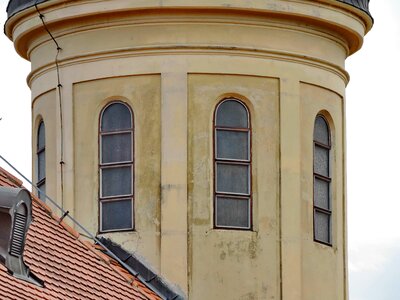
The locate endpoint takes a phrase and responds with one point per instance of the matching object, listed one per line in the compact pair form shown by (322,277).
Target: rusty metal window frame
(326,179)
(41,151)
(246,162)
(108,165)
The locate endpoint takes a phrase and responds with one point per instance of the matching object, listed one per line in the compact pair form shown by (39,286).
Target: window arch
(41,160)
(116,168)
(322,182)
(232,165)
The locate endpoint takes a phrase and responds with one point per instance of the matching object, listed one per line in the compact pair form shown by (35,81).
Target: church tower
(206,136)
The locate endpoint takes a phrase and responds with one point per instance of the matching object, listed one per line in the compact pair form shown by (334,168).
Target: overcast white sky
(374,160)
(373,152)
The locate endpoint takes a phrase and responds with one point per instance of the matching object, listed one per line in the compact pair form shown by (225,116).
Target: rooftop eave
(347,19)
(15,6)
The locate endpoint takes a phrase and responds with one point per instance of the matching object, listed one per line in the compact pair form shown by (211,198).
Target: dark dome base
(15,6)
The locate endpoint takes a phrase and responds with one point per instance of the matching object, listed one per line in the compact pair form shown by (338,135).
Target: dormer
(15,217)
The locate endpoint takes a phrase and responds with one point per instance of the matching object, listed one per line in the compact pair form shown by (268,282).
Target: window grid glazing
(116,168)
(232,166)
(322,182)
(41,160)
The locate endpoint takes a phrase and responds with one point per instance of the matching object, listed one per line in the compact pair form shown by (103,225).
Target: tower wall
(172,62)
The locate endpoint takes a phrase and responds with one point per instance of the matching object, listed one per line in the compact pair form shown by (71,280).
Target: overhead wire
(60,100)
(65,213)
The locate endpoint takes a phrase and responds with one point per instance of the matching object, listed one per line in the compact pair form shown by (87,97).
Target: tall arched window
(232,165)
(41,160)
(322,182)
(116,168)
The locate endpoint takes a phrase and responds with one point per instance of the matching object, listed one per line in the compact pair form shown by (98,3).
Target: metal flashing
(143,272)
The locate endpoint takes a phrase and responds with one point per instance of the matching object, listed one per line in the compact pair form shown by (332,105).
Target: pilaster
(174,178)
(290,213)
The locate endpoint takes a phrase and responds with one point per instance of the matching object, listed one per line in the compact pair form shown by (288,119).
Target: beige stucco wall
(321,264)
(172,63)
(246,261)
(142,94)
(45,108)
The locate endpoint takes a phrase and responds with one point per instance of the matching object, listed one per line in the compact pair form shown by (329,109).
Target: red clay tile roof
(70,267)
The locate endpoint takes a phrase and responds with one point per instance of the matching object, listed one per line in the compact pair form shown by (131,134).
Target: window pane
(116,181)
(116,215)
(232,212)
(41,139)
(41,165)
(322,227)
(117,116)
(321,161)
(321,194)
(116,148)
(321,131)
(233,178)
(232,144)
(232,114)
(41,195)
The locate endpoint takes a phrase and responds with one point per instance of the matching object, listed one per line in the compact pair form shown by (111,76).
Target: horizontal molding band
(193,50)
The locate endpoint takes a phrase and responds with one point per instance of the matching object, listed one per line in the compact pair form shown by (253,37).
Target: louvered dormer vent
(18,235)
(15,217)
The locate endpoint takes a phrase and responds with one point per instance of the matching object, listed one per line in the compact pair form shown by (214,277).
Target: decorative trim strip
(194,50)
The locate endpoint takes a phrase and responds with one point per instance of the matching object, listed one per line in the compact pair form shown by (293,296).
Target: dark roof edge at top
(15,6)
(360,4)
(143,272)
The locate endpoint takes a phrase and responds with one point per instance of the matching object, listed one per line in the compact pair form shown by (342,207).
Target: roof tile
(71,267)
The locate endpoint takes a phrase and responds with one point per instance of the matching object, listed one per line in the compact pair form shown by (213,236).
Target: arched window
(232,165)
(322,182)
(116,168)
(41,160)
